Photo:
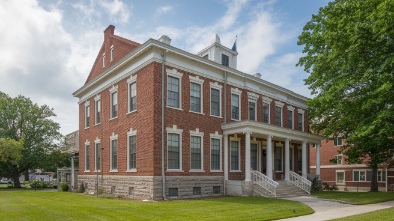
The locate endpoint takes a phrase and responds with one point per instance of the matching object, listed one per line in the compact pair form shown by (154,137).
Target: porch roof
(260,129)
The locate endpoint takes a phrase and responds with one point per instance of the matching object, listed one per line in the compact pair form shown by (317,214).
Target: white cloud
(117,10)
(88,10)
(163,10)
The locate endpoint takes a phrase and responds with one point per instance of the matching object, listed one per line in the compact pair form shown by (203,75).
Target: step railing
(264,181)
(300,182)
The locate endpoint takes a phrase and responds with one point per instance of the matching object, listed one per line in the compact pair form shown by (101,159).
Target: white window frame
(103,60)
(174,130)
(87,114)
(300,111)
(290,108)
(365,175)
(197,133)
(336,141)
(336,176)
(112,52)
(219,87)
(252,98)
(87,158)
(280,105)
(219,137)
(130,81)
(377,175)
(130,133)
(341,157)
(96,141)
(112,90)
(113,137)
(197,80)
(175,74)
(97,99)
(237,139)
(236,91)
(267,101)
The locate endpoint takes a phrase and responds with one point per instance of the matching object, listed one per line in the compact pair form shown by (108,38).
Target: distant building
(72,143)
(70,175)
(156,121)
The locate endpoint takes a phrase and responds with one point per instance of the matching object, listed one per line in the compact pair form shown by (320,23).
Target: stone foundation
(239,188)
(149,187)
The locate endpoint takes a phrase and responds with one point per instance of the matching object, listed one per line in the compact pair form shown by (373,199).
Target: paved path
(329,209)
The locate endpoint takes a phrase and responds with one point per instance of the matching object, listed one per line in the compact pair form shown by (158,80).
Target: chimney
(257,75)
(109,31)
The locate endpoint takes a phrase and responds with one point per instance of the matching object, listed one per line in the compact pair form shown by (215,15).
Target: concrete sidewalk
(329,209)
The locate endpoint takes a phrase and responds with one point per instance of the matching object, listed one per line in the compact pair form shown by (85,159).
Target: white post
(318,160)
(72,173)
(269,156)
(247,156)
(287,159)
(225,157)
(304,173)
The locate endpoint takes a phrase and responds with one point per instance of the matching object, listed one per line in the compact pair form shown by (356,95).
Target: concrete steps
(284,190)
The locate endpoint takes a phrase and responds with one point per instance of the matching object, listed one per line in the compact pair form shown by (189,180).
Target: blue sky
(49,46)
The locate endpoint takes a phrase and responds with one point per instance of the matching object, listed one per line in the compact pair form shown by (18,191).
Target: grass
(384,214)
(27,205)
(357,198)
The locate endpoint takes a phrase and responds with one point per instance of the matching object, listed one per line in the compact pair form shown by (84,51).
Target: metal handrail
(300,182)
(264,181)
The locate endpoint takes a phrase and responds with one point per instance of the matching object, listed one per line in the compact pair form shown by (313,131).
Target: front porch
(277,153)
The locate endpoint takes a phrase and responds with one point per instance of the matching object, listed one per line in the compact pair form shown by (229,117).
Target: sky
(48,46)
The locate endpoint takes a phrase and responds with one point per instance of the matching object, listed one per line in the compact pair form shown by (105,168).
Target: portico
(267,148)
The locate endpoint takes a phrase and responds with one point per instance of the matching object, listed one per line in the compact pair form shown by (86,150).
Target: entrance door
(264,161)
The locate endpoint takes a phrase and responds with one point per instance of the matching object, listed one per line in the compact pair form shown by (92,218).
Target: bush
(81,188)
(327,187)
(64,187)
(38,184)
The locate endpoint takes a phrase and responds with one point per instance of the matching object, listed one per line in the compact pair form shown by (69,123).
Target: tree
(349,53)
(20,119)
(10,150)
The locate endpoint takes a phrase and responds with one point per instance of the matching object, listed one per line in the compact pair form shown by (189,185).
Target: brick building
(348,177)
(156,121)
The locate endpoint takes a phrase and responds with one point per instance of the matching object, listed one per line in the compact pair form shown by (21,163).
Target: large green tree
(22,120)
(349,53)
(10,150)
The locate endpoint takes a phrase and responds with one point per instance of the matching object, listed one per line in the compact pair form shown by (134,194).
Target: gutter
(163,175)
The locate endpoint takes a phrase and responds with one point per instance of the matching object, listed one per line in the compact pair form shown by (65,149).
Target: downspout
(225,120)
(162,126)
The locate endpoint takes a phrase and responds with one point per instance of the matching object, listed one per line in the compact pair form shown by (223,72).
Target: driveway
(329,209)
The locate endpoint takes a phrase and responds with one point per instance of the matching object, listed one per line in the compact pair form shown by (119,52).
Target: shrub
(64,187)
(81,188)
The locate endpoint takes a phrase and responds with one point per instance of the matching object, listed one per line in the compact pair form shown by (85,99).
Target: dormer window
(112,53)
(104,60)
(205,56)
(225,60)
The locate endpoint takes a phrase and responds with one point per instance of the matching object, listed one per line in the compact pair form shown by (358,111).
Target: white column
(269,156)
(318,160)
(287,159)
(225,157)
(247,156)
(304,173)
(72,173)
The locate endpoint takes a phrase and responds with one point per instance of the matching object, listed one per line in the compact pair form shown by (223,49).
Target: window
(195,97)
(291,159)
(253,156)
(300,120)
(381,176)
(196,190)
(252,110)
(290,119)
(132,96)
(173,151)
(359,175)
(338,141)
(173,92)
(205,56)
(87,116)
(195,153)
(114,101)
(97,156)
(172,191)
(234,106)
(97,107)
(235,155)
(339,159)
(299,160)
(87,157)
(278,159)
(114,153)
(132,147)
(278,116)
(225,60)
(266,113)
(215,154)
(215,102)
(112,52)
(340,177)
(216,189)
(104,60)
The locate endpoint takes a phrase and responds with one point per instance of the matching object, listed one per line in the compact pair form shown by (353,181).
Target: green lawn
(29,205)
(359,198)
(384,214)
